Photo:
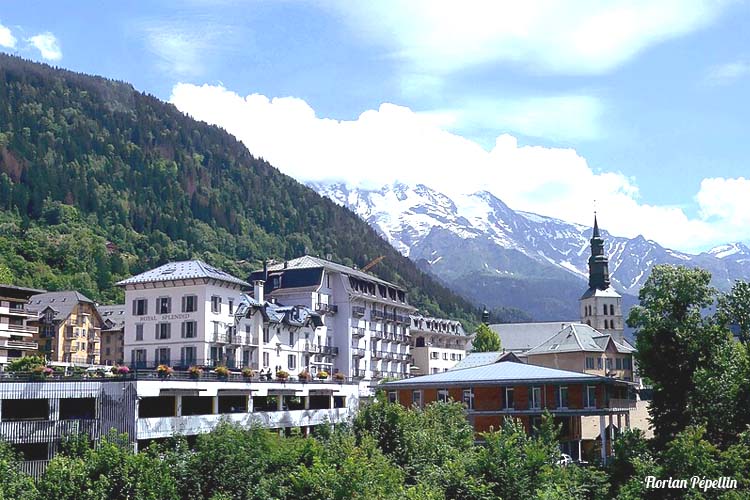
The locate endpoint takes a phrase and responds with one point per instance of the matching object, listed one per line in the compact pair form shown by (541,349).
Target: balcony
(376,335)
(400,318)
(358,352)
(376,315)
(30,330)
(324,308)
(621,404)
(18,310)
(219,338)
(377,354)
(358,311)
(321,349)
(358,332)
(18,344)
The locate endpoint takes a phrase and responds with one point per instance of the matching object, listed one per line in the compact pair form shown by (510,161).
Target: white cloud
(561,118)
(395,143)
(728,73)
(6,38)
(47,45)
(560,36)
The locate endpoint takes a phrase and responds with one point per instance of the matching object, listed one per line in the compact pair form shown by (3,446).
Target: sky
(637,109)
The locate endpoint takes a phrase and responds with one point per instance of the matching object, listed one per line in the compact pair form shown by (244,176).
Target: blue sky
(549,105)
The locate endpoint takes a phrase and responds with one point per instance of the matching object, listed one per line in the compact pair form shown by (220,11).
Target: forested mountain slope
(99,181)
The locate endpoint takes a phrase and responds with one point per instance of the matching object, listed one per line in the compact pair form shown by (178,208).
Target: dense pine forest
(99,181)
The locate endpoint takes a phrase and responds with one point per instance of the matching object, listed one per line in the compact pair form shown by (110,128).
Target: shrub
(339,376)
(26,364)
(248,373)
(195,371)
(322,375)
(221,371)
(282,375)
(304,375)
(164,370)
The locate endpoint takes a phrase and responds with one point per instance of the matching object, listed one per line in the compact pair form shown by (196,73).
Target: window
(627,363)
(435,370)
(163,305)
(108,351)
(536,397)
(609,364)
(163,331)
(215,304)
(562,399)
(187,355)
(434,355)
(140,307)
(590,396)
(611,310)
(589,363)
(442,394)
(291,339)
(138,357)
(605,309)
(292,361)
(189,303)
(162,356)
(246,357)
(509,403)
(189,329)
(618,363)
(445,356)
(416,398)
(231,306)
(266,360)
(139,332)
(460,357)
(265,334)
(598,363)
(469,398)
(392,397)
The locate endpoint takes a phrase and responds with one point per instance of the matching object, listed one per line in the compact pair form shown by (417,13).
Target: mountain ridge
(523,250)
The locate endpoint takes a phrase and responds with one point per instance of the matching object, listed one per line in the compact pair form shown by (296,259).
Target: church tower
(601,305)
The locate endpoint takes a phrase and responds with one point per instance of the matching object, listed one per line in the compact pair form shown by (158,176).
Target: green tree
(14,484)
(734,308)
(673,338)
(485,340)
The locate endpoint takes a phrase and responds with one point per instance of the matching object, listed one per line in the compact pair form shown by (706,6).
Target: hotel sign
(165,317)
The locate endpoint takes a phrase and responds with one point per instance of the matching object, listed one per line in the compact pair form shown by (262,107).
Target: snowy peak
(479,233)
(733,250)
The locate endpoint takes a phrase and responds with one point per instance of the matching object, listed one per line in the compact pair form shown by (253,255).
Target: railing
(615,403)
(34,468)
(358,332)
(323,308)
(358,352)
(374,334)
(375,314)
(18,344)
(19,310)
(19,328)
(402,319)
(358,311)
(322,349)
(376,354)
(219,338)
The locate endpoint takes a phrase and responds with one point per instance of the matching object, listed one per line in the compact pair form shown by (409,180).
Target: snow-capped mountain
(499,256)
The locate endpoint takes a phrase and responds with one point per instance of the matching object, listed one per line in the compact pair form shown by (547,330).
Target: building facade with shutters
(69,327)
(181,314)
(437,344)
(112,350)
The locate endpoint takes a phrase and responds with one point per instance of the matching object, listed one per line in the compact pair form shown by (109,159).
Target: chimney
(258,290)
(286,264)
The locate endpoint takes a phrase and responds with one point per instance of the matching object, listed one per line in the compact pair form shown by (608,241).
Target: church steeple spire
(598,262)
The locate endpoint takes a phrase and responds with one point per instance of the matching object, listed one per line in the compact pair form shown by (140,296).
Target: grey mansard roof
(310,262)
(60,302)
(113,316)
(576,338)
(183,270)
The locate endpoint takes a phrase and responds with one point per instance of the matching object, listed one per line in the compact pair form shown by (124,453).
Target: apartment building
(16,331)
(181,314)
(502,390)
(365,319)
(112,334)
(69,327)
(36,416)
(437,344)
